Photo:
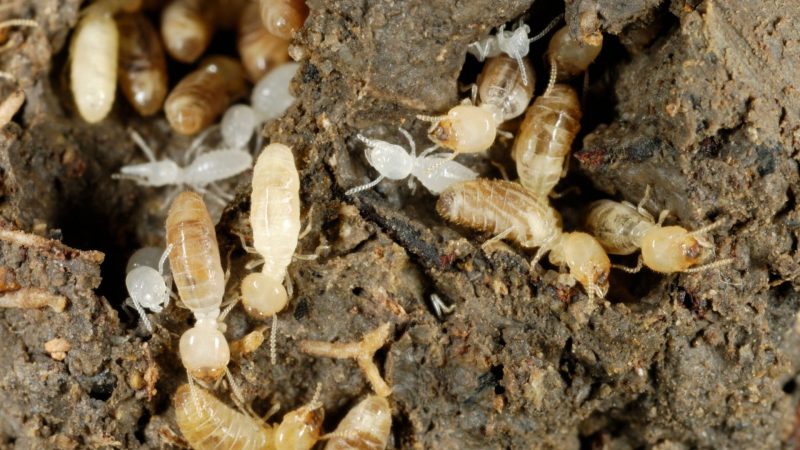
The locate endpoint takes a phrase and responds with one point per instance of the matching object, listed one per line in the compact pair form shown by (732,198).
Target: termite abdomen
(187,27)
(142,64)
(259,50)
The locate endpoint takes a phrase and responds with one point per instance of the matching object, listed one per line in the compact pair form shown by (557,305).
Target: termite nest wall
(699,100)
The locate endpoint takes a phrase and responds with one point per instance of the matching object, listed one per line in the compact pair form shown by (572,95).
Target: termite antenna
(634,269)
(553,74)
(440,163)
(315,403)
(430,119)
(708,228)
(140,142)
(142,315)
(273,340)
(709,266)
(364,187)
(547,29)
(19,23)
(410,140)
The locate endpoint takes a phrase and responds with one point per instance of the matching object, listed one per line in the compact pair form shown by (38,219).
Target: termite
(572,57)
(545,139)
(93,67)
(435,172)
(209,424)
(366,426)
(187,27)
(271,96)
(148,281)
(500,85)
(142,64)
(200,175)
(509,210)
(623,228)
(197,272)
(275,220)
(515,44)
(200,97)
(362,352)
(259,49)
(283,18)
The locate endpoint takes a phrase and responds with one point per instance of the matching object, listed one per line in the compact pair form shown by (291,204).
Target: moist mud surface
(698,100)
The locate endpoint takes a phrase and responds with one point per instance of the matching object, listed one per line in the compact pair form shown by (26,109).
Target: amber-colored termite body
(204,94)
(570,56)
(142,64)
(366,426)
(545,139)
(509,210)
(500,85)
(187,27)
(283,18)
(198,274)
(259,49)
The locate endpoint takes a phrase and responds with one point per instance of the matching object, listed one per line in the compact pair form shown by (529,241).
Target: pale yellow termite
(275,219)
(623,228)
(283,18)
(570,56)
(259,49)
(208,424)
(365,427)
(545,139)
(500,86)
(509,210)
(197,271)
(187,27)
(142,64)
(200,97)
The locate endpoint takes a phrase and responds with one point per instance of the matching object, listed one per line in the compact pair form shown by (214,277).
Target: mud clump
(699,100)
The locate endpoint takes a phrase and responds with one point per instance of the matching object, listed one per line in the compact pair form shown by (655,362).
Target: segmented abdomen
(365,427)
(545,139)
(617,226)
(208,424)
(194,258)
(495,206)
(500,85)
(275,208)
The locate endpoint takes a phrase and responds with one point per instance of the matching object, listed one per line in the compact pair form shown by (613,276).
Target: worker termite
(187,27)
(275,219)
(366,426)
(148,281)
(269,100)
(259,49)
(571,57)
(200,97)
(509,210)
(623,228)
(500,86)
(545,139)
(515,44)
(362,352)
(197,272)
(200,175)
(208,424)
(435,172)
(283,18)
(142,64)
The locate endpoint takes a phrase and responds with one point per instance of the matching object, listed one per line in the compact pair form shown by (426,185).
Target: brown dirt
(697,99)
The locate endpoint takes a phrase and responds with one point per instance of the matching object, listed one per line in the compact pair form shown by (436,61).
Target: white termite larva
(187,27)
(93,65)
(275,219)
(209,424)
(366,426)
(395,163)
(545,138)
(570,56)
(623,228)
(205,169)
(271,97)
(198,274)
(148,281)
(509,210)
(238,125)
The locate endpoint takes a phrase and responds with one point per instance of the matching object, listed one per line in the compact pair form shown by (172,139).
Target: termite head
(262,295)
(204,350)
(147,287)
(587,261)
(672,249)
(391,160)
(465,129)
(300,429)
(158,173)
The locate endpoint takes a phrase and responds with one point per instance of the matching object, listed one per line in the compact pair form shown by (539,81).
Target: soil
(698,100)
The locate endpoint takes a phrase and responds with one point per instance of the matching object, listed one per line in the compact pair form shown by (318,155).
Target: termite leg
(246,247)
(486,245)
(142,315)
(142,145)
(364,187)
(662,217)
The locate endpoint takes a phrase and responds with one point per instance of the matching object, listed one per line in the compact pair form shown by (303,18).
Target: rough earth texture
(699,100)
